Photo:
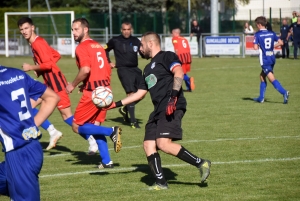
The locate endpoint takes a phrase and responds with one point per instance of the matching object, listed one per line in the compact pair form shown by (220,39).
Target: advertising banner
(222,45)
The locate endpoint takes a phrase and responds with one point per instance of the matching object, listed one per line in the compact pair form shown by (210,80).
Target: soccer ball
(102,96)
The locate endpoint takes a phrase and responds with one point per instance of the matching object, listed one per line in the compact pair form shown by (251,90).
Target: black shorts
(130,78)
(163,126)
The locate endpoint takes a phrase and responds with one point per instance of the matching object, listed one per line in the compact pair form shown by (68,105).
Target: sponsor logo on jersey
(151,81)
(269,53)
(174,41)
(12,80)
(135,48)
(153,65)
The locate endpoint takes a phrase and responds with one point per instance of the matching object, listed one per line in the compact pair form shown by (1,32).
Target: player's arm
(41,48)
(279,43)
(178,78)
(108,47)
(83,73)
(47,106)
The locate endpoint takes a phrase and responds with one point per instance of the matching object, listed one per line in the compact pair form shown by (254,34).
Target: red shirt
(90,53)
(182,49)
(46,57)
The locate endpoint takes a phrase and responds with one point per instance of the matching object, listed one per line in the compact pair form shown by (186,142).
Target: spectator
(295,30)
(284,30)
(294,18)
(248,29)
(269,26)
(196,29)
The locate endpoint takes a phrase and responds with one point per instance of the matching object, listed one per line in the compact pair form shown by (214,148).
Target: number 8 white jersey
(17,126)
(265,40)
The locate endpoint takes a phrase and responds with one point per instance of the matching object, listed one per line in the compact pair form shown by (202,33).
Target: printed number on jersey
(183,43)
(15,95)
(100,59)
(267,42)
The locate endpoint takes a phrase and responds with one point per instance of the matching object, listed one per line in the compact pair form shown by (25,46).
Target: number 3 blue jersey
(265,40)
(17,127)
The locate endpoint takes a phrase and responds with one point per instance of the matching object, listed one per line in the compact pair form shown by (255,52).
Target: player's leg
(3,180)
(276,84)
(172,125)
(23,166)
(153,157)
(55,134)
(86,111)
(130,79)
(262,88)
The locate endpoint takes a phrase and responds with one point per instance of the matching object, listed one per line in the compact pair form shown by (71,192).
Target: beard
(147,53)
(80,37)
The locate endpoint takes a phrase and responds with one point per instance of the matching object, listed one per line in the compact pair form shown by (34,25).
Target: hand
(69,88)
(26,67)
(171,107)
(112,105)
(112,65)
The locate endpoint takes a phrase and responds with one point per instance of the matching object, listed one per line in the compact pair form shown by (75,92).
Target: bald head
(151,36)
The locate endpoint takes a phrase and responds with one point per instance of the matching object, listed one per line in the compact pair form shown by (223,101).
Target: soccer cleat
(192,84)
(93,148)
(54,137)
(286,97)
(158,187)
(108,165)
(116,138)
(135,125)
(124,114)
(204,170)
(259,100)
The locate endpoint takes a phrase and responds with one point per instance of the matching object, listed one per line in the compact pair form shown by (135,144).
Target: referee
(126,48)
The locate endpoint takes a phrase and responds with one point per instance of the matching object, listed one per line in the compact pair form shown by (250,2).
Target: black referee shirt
(125,49)
(158,80)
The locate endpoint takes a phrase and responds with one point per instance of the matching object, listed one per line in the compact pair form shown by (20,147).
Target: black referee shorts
(163,126)
(130,78)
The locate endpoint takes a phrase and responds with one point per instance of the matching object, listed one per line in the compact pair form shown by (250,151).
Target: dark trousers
(296,46)
(285,49)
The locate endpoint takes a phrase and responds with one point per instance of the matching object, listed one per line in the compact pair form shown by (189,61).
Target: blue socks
(91,129)
(263,86)
(186,79)
(278,87)
(45,125)
(103,148)
(69,120)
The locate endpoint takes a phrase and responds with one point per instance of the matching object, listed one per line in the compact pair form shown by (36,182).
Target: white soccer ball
(102,96)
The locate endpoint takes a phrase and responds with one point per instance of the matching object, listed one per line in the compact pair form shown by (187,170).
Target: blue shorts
(20,170)
(267,68)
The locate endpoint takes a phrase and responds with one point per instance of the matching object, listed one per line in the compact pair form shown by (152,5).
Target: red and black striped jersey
(46,57)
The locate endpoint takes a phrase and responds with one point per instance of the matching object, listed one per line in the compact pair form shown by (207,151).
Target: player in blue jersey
(19,133)
(264,42)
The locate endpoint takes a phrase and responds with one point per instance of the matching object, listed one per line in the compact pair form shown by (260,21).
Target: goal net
(53,26)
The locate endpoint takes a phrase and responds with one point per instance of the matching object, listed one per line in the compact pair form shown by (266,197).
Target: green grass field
(254,148)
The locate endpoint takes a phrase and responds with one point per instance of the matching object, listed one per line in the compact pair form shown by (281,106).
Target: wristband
(119,104)
(174,93)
